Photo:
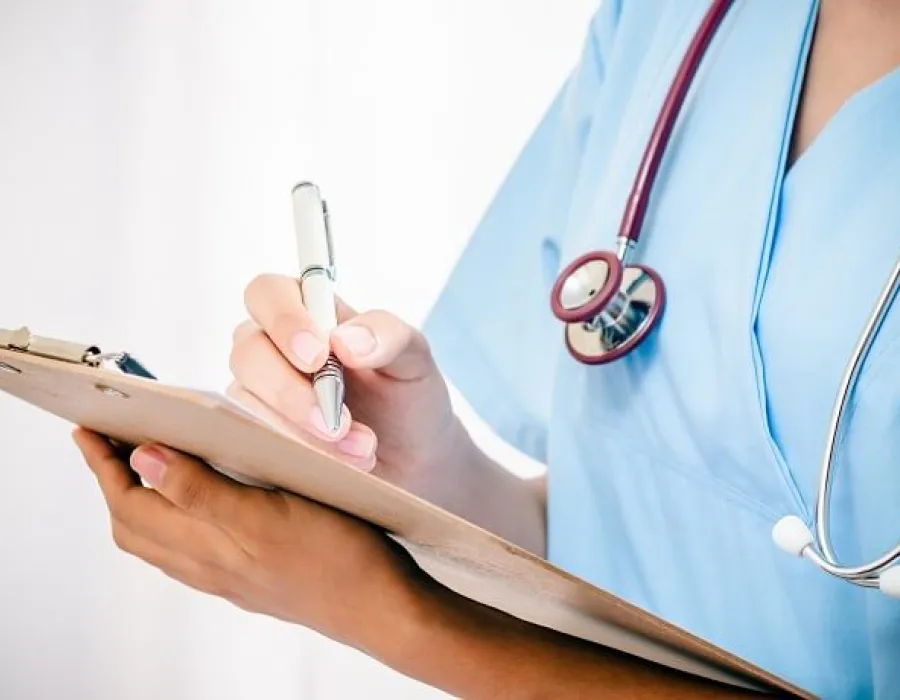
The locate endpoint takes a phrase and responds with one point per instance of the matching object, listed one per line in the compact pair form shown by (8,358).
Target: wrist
(453,470)
(469,650)
(483,483)
(472,651)
(400,633)
(435,643)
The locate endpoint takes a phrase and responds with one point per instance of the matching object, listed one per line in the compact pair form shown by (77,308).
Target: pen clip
(312,223)
(326,216)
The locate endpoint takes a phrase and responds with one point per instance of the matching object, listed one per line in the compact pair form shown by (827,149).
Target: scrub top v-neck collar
(847,131)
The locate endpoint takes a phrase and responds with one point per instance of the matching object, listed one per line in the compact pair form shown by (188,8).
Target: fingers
(181,480)
(138,511)
(201,575)
(124,496)
(372,340)
(189,484)
(357,448)
(104,462)
(275,303)
(261,369)
(380,340)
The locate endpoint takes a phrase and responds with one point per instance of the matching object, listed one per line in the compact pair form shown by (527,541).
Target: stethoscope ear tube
(790,533)
(793,537)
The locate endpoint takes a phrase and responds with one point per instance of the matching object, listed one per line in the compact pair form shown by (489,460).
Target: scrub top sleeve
(491,330)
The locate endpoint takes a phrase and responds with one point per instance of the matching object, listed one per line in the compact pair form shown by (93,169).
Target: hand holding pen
(303,349)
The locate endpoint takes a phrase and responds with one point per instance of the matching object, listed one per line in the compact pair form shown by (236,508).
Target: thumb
(379,340)
(188,483)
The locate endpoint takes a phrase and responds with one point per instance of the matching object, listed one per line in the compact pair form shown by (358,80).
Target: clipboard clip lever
(23,340)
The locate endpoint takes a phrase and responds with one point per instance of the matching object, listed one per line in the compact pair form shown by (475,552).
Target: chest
(855,45)
(770,273)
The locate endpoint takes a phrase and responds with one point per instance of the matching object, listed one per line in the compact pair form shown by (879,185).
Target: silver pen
(315,253)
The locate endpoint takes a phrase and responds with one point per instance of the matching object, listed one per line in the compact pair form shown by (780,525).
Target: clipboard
(116,395)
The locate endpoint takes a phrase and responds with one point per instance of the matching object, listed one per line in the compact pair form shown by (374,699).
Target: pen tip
(331,401)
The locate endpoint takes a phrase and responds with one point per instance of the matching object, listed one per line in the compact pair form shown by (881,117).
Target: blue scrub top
(668,469)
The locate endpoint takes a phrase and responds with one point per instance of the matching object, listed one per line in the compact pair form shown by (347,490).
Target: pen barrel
(317,290)
(311,227)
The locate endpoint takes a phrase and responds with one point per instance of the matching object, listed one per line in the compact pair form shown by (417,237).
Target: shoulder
(649,12)
(627,38)
(628,47)
(629,27)
(644,17)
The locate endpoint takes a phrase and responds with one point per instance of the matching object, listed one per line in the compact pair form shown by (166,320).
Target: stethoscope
(610,305)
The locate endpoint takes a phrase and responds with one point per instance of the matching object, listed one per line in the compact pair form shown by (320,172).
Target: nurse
(774,222)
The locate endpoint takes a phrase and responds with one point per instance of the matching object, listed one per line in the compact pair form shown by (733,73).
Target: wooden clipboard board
(113,394)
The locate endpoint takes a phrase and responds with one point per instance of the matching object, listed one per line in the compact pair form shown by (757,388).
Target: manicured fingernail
(150,463)
(307,347)
(358,443)
(358,339)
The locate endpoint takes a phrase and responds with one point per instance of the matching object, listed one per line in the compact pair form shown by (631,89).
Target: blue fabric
(668,469)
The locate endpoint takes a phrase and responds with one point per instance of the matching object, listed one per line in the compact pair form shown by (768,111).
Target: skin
(275,554)
(856,42)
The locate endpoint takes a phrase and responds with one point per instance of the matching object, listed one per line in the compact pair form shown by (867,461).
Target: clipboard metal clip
(23,340)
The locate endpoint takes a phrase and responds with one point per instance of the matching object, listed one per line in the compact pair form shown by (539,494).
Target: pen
(317,274)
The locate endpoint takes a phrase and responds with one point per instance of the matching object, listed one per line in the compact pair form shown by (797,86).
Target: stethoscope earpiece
(889,582)
(791,535)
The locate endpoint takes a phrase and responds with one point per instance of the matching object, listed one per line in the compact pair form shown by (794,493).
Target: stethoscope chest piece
(609,304)
(608,308)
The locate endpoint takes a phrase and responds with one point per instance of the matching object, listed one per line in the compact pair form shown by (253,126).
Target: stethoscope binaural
(610,305)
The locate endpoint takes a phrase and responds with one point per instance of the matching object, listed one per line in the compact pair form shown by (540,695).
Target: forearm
(497,500)
(473,652)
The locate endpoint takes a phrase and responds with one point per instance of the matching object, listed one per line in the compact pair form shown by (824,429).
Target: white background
(147,150)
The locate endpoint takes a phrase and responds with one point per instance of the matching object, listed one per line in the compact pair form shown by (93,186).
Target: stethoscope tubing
(638,200)
(822,514)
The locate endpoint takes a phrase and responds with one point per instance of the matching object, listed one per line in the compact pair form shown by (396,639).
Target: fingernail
(150,463)
(318,422)
(358,443)
(359,340)
(307,347)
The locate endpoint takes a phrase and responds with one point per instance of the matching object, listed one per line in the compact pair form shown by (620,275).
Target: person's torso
(669,468)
